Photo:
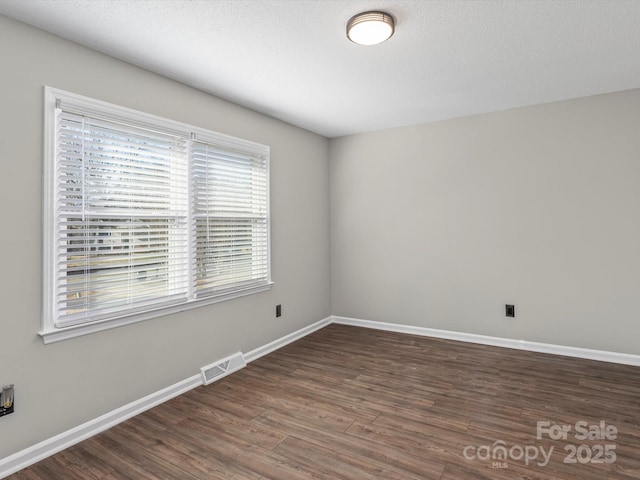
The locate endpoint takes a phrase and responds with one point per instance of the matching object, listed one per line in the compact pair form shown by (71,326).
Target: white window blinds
(122,219)
(140,217)
(230,214)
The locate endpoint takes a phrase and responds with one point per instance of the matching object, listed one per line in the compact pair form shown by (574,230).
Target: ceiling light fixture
(370,28)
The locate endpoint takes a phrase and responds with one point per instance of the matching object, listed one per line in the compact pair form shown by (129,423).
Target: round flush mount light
(370,28)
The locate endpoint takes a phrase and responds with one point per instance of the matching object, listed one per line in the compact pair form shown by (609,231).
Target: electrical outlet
(510,310)
(6,400)
(278,311)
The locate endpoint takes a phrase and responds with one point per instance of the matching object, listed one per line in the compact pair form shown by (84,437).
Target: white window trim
(51,333)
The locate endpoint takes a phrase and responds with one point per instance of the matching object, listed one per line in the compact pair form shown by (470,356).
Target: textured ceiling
(292,60)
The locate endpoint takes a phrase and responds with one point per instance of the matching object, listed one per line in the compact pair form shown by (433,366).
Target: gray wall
(440,225)
(62,385)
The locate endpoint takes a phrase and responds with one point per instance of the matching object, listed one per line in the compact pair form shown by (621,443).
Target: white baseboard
(287,339)
(600,355)
(46,448)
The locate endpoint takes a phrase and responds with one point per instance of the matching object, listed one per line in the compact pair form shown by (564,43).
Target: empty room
(320,239)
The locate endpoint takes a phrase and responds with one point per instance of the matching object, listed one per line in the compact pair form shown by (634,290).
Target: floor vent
(222,368)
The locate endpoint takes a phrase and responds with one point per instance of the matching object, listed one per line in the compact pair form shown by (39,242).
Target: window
(145,216)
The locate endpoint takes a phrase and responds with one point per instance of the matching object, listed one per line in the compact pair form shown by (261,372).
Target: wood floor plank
(190,456)
(132,460)
(219,420)
(356,404)
(401,461)
(335,465)
(306,389)
(229,450)
(254,388)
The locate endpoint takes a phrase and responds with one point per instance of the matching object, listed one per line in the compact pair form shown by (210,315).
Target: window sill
(52,334)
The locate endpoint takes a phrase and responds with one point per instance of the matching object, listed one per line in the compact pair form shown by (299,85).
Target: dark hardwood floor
(353,403)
